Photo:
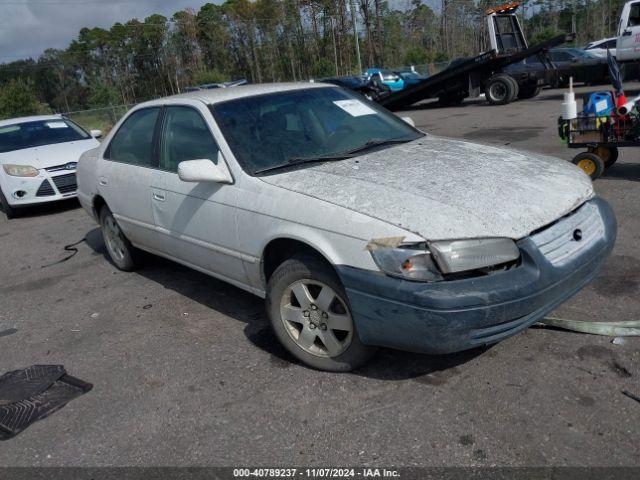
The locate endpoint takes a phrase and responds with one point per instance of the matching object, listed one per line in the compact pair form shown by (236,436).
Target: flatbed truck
(484,73)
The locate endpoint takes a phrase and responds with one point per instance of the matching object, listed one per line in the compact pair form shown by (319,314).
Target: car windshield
(278,129)
(18,136)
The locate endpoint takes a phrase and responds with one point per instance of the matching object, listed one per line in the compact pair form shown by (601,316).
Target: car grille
(557,242)
(66,183)
(45,189)
(66,166)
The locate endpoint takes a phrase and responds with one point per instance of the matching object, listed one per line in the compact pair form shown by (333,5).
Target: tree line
(271,41)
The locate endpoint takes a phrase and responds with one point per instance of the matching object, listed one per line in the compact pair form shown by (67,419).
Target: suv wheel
(310,314)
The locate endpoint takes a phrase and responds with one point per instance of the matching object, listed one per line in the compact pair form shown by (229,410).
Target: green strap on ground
(630,328)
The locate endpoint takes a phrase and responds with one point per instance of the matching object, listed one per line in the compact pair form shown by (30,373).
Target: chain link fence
(99,118)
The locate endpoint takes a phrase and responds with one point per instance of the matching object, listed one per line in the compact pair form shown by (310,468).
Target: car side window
(634,15)
(185,136)
(133,142)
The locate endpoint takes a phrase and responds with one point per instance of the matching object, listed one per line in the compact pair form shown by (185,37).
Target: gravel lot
(187,372)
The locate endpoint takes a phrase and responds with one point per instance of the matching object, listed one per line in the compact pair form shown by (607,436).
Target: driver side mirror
(204,170)
(96,133)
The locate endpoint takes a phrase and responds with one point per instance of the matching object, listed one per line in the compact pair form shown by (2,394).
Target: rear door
(628,44)
(197,220)
(125,172)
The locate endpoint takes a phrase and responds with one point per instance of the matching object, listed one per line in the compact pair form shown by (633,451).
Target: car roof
(217,95)
(33,118)
(603,40)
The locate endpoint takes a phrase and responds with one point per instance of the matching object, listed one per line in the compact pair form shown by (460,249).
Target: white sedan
(39,155)
(358,229)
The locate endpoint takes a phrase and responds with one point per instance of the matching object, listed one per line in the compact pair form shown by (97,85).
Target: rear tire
(589,163)
(121,252)
(500,89)
(8,210)
(311,316)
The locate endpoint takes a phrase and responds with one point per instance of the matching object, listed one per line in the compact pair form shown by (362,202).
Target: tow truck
(628,42)
(483,73)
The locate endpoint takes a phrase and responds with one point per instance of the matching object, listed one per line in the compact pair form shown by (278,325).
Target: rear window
(38,133)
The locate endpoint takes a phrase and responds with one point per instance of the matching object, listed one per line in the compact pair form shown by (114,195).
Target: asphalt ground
(187,372)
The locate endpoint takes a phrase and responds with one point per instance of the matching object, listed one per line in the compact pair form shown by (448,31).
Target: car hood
(440,188)
(46,156)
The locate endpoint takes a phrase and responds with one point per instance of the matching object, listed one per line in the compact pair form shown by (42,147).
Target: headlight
(20,170)
(427,264)
(410,263)
(462,255)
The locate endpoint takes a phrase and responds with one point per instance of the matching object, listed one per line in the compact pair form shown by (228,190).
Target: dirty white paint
(441,188)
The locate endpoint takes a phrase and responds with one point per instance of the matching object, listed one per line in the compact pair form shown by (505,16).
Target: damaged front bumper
(456,315)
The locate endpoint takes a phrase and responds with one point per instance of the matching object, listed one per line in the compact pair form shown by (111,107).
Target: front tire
(121,252)
(311,316)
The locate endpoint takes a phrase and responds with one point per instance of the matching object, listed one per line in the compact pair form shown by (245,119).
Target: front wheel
(310,314)
(120,250)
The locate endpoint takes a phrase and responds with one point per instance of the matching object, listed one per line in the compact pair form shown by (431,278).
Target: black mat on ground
(34,393)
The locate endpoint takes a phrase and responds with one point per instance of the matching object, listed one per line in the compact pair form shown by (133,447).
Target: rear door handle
(158,196)
(626,33)
(103,181)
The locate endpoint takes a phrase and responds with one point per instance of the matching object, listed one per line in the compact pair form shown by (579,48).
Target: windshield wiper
(299,160)
(377,142)
(373,143)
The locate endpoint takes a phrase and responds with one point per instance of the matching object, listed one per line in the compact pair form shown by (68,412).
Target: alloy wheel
(316,318)
(114,238)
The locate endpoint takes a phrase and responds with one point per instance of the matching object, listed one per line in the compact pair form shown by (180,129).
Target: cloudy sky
(28,27)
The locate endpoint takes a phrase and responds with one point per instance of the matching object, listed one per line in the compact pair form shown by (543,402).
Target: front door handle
(158,196)
(626,33)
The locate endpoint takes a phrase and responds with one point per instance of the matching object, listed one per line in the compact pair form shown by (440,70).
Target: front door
(197,220)
(628,44)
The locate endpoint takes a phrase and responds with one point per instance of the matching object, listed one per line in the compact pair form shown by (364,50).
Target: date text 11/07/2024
(315,472)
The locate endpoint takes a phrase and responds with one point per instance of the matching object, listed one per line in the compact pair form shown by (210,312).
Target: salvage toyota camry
(358,229)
